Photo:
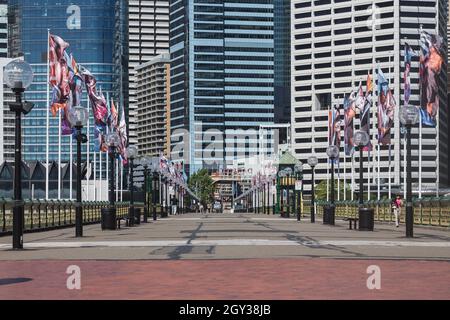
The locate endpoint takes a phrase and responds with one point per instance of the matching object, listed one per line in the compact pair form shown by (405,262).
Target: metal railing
(41,215)
(427,211)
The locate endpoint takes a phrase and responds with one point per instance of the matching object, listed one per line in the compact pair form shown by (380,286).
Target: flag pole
(420,123)
(59,154)
(328,160)
(71,168)
(47,168)
(95,176)
(88,153)
(107,153)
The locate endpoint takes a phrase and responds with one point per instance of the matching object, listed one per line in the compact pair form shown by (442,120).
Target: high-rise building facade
(6,116)
(89,28)
(282,41)
(148,36)
(335,44)
(3,28)
(153,101)
(222,79)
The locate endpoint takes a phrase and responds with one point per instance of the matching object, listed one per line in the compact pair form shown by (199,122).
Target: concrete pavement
(231,237)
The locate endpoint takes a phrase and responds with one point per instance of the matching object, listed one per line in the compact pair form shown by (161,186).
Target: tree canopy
(202,185)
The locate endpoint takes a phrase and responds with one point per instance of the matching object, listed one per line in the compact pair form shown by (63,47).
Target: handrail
(427,211)
(43,215)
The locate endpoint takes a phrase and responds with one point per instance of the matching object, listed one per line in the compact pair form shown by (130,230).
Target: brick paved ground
(229,257)
(260,279)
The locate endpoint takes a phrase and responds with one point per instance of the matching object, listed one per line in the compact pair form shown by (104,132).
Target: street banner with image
(349,116)
(386,108)
(409,53)
(364,103)
(431,62)
(58,74)
(334,127)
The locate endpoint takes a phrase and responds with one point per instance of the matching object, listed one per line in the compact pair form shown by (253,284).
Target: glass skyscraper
(282,40)
(88,26)
(222,79)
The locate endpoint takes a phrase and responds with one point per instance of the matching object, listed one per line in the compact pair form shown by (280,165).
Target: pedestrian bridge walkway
(233,236)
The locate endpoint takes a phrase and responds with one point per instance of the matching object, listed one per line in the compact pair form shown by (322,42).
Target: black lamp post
(18,76)
(361,139)
(78,117)
(409,117)
(298,170)
(289,172)
(312,162)
(132,154)
(145,164)
(155,195)
(333,154)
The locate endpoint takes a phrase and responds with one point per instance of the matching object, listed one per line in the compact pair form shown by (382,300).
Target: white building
(335,44)
(153,100)
(148,38)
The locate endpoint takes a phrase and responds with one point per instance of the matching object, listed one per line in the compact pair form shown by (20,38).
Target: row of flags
(67,78)
(431,61)
(174,170)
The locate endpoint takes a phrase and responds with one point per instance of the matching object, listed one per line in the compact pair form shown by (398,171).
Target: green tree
(202,185)
(321,190)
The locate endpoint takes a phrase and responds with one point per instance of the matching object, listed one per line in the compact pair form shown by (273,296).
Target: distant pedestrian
(174,205)
(397,207)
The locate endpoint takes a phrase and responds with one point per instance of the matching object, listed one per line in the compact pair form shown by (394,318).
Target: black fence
(40,215)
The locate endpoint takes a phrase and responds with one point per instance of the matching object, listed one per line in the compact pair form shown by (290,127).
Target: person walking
(397,207)
(174,205)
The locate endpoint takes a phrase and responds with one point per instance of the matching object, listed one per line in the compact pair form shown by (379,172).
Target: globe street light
(298,169)
(333,154)
(409,117)
(312,162)
(78,117)
(109,214)
(18,76)
(132,152)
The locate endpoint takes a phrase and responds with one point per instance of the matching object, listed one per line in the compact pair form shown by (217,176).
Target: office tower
(282,40)
(148,22)
(88,26)
(153,102)
(335,44)
(6,116)
(3,28)
(222,80)
(121,55)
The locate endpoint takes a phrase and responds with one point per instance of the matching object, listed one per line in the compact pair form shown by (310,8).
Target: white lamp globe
(333,152)
(361,139)
(112,140)
(18,74)
(409,116)
(78,116)
(132,152)
(313,161)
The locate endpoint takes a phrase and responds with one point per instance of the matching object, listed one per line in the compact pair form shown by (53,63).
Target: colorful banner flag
(334,127)
(122,130)
(431,61)
(349,116)
(386,107)
(59,74)
(409,53)
(364,106)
